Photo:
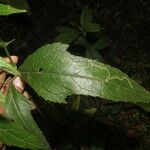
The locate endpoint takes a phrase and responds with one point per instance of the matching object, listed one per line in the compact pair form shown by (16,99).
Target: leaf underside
(55,74)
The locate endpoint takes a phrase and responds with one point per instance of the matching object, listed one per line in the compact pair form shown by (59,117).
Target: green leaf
(8,7)
(12,69)
(12,134)
(55,74)
(5,44)
(67,35)
(86,17)
(103,42)
(80,41)
(93,54)
(93,27)
(18,109)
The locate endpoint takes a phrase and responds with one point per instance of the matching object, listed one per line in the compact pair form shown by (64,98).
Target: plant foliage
(59,74)
(55,74)
(8,7)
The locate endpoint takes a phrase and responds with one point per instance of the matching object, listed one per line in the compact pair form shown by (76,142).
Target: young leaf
(103,42)
(12,69)
(5,44)
(18,109)
(55,74)
(67,35)
(93,27)
(86,17)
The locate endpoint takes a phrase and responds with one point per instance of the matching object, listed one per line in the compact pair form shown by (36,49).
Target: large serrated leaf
(18,109)
(12,69)
(55,74)
(8,7)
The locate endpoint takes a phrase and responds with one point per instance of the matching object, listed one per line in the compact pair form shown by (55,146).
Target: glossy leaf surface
(55,74)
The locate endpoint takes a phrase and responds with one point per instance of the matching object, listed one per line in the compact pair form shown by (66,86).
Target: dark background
(114,126)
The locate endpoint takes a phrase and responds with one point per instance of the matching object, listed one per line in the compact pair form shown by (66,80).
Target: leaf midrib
(85,77)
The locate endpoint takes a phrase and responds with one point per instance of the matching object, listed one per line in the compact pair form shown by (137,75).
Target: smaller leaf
(18,109)
(12,134)
(8,7)
(12,69)
(93,27)
(86,17)
(80,41)
(103,42)
(67,35)
(5,44)
(16,3)
(93,54)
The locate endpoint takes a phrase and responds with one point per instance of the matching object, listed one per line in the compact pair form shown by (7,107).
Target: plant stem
(8,55)
(76,104)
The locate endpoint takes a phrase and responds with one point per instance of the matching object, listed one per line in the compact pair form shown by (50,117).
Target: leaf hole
(41,70)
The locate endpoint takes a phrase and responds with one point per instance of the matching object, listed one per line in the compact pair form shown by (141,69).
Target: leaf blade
(8,7)
(86,17)
(101,43)
(67,35)
(66,75)
(93,27)
(18,109)
(13,134)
